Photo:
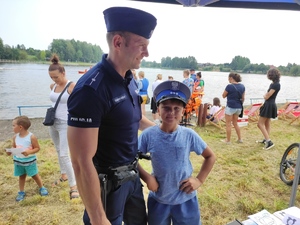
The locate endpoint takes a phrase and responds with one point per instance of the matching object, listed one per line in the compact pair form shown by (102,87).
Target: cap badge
(174,86)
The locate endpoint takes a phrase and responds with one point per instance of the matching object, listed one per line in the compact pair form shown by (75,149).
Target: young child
(215,107)
(173,195)
(26,164)
(187,80)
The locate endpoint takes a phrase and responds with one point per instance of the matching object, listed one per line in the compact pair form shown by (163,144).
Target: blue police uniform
(102,98)
(110,103)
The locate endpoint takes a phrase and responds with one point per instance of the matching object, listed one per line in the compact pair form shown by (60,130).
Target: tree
(295,70)
(239,62)
(42,55)
(1,49)
(23,55)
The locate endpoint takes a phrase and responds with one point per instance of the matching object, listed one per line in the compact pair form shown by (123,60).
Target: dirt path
(37,128)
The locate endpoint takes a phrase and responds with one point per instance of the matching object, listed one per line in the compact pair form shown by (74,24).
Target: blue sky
(212,35)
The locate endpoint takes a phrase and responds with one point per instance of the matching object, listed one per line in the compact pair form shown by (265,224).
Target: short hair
(126,35)
(187,72)
(141,74)
(159,76)
(23,121)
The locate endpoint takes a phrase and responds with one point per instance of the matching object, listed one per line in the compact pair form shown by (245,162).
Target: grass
(244,180)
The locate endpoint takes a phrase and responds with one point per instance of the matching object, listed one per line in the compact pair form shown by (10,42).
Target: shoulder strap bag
(50,115)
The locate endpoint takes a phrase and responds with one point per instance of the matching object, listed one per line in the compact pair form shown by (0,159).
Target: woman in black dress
(269,108)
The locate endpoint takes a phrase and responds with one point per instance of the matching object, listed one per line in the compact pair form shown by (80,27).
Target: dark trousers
(125,204)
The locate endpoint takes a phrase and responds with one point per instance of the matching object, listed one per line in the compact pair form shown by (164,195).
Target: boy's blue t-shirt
(170,154)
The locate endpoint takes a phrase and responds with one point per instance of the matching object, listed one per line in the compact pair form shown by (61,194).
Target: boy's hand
(152,184)
(8,153)
(189,185)
(25,153)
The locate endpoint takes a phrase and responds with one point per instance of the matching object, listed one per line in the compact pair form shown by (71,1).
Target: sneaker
(262,142)
(269,145)
(20,196)
(239,141)
(43,191)
(226,142)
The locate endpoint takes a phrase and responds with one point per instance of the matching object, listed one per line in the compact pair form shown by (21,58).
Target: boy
(25,164)
(172,188)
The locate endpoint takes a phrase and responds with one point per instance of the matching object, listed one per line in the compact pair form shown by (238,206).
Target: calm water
(28,84)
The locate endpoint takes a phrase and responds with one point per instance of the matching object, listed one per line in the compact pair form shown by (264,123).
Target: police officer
(104,118)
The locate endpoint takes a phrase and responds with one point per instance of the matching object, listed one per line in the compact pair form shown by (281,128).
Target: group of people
(194,81)
(104,118)
(142,84)
(191,80)
(235,94)
(98,121)
(25,164)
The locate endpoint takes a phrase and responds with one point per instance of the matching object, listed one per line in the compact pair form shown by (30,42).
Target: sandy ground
(37,128)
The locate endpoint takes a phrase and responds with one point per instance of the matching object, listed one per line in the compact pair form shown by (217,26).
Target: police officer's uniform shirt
(103,98)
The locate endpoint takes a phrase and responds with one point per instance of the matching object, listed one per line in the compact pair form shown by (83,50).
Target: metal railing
(31,106)
(256,100)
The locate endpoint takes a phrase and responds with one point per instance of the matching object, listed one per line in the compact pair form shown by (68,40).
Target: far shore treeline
(72,51)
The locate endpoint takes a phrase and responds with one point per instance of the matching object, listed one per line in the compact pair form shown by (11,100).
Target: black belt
(110,170)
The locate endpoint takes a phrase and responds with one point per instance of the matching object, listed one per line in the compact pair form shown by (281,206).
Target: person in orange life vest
(199,84)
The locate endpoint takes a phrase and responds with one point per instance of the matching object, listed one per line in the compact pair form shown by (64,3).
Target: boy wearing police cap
(104,118)
(173,195)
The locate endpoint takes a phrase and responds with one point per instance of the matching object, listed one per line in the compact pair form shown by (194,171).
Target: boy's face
(171,111)
(16,127)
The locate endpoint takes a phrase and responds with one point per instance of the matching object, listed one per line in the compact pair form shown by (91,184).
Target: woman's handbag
(242,112)
(50,115)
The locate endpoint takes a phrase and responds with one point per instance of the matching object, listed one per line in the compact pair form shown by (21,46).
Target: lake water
(28,85)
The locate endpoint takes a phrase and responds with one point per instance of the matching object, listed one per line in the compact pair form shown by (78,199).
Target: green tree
(70,53)
(239,62)
(166,62)
(42,55)
(22,55)
(295,70)
(1,49)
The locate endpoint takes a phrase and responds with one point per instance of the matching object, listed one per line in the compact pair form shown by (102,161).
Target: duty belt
(112,178)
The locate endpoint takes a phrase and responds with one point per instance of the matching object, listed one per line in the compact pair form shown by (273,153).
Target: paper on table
(16,151)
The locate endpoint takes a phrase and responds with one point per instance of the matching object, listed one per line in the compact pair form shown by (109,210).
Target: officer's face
(135,49)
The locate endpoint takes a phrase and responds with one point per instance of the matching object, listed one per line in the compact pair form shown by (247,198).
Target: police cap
(129,19)
(171,90)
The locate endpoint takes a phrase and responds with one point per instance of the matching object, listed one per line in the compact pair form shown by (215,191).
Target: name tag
(119,99)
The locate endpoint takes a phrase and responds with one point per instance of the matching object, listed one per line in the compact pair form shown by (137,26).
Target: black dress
(269,108)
